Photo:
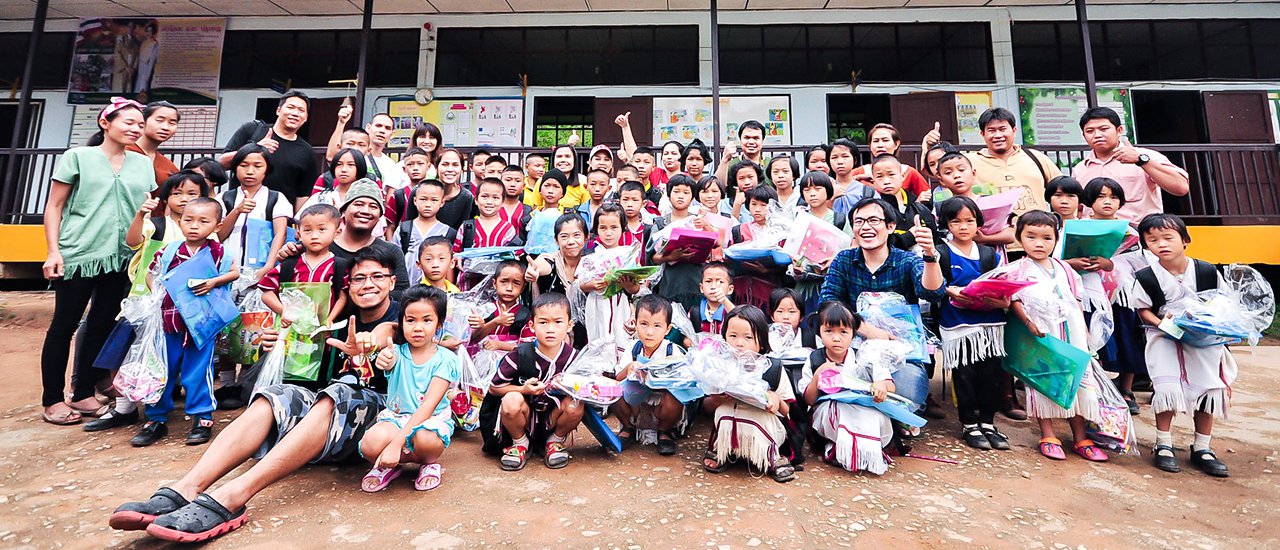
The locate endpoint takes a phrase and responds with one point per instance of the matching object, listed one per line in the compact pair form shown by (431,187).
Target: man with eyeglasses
(875,266)
(286,426)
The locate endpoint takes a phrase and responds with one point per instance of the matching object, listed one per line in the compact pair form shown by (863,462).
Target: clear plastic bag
(1101,326)
(298,313)
(765,245)
(145,369)
(1043,306)
(1238,310)
(584,378)
(721,369)
(891,313)
(468,393)
(1115,430)
(244,335)
(597,265)
(462,305)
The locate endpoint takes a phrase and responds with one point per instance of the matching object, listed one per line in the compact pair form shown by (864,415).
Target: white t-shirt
(283,209)
(393,176)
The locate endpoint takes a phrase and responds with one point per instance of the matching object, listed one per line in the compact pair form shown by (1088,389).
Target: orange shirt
(163,166)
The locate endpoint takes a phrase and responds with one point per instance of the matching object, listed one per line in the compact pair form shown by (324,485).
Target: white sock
(1164,438)
(125,406)
(553,438)
(986,426)
(523,441)
(1201,443)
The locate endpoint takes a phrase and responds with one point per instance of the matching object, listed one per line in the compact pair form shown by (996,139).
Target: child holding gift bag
(972,340)
(188,363)
(417,425)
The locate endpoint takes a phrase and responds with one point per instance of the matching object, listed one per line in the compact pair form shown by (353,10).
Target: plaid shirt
(902,273)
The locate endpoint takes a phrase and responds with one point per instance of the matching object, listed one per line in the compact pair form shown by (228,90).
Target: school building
(1197,80)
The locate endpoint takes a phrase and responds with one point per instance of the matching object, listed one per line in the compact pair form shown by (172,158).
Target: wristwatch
(1142,159)
(929,259)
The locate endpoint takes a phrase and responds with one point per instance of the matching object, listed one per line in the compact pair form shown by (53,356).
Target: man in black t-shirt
(293,160)
(286,426)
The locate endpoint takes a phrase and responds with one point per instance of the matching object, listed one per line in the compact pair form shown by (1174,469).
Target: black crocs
(136,516)
(203,519)
(667,443)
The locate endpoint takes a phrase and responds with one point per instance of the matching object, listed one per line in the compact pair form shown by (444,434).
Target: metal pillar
(366,23)
(715,78)
(1090,82)
(10,182)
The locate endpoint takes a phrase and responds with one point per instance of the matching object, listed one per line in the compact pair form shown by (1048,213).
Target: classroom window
(557,118)
(254,59)
(1138,50)
(567,56)
(890,52)
(852,115)
(53,59)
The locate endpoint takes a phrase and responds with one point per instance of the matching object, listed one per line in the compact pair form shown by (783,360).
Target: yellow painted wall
(1252,244)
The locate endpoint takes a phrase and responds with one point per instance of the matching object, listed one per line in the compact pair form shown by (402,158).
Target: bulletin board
(1051,116)
(684,118)
(495,121)
(197,127)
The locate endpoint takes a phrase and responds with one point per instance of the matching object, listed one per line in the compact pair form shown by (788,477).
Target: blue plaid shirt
(902,272)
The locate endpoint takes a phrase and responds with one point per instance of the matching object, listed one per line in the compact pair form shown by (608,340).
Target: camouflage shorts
(355,409)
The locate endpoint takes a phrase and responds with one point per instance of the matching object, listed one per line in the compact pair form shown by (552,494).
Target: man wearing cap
(361,215)
(1142,173)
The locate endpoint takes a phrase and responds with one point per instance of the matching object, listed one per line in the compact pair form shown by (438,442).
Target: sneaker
(201,431)
(1209,463)
(111,420)
(974,437)
(1163,458)
(151,432)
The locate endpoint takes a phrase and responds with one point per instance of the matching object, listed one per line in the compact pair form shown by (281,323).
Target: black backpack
(228,200)
(159,222)
(491,407)
(797,420)
(406,234)
(1206,279)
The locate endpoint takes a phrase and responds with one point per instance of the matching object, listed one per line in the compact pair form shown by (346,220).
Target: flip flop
(1051,447)
(711,456)
(782,470)
(65,418)
(378,478)
(202,520)
(94,412)
(428,477)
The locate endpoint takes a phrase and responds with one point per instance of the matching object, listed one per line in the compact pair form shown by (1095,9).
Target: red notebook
(700,241)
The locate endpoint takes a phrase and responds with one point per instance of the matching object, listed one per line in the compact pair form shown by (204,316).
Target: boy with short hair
(493,167)
(644,409)
(955,172)
(190,365)
(887,176)
(417,163)
(627,173)
(518,413)
(643,160)
(631,199)
(509,322)
(317,227)
(428,197)
(513,208)
(597,188)
(716,287)
(1186,378)
(435,263)
(535,165)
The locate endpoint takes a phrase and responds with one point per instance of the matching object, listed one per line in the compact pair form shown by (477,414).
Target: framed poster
(197,128)
(685,118)
(969,106)
(1051,116)
(497,121)
(172,59)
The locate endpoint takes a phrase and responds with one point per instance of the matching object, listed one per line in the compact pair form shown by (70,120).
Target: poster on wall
(685,118)
(462,122)
(1051,116)
(173,59)
(969,106)
(1273,99)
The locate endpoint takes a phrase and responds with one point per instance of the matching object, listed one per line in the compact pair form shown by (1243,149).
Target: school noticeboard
(198,127)
(969,106)
(684,118)
(462,122)
(1051,116)
(177,60)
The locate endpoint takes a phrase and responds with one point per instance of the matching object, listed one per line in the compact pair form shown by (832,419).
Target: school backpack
(402,201)
(406,235)
(491,407)
(1206,279)
(228,200)
(160,223)
(797,420)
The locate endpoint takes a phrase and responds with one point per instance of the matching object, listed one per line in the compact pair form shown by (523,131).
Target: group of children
(568,221)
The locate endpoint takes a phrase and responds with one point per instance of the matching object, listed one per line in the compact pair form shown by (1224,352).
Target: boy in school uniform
(428,198)
(716,287)
(188,364)
(519,413)
(317,227)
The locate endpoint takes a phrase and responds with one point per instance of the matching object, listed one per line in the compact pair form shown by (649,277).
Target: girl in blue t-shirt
(417,424)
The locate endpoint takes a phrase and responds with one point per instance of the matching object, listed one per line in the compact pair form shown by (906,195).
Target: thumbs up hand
(387,357)
(923,236)
(623,121)
(574,139)
(269,141)
(1125,152)
(934,135)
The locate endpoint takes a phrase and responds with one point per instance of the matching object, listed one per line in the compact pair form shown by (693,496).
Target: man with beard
(875,266)
(286,426)
(293,161)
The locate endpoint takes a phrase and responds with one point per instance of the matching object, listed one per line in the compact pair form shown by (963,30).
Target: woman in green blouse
(95,193)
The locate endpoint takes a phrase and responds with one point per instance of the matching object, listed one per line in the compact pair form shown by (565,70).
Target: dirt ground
(58,485)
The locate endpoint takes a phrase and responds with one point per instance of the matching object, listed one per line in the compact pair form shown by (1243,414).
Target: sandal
(428,477)
(627,436)
(136,516)
(1090,451)
(65,417)
(1051,447)
(666,443)
(782,470)
(94,411)
(378,478)
(514,458)
(203,519)
(712,464)
(556,456)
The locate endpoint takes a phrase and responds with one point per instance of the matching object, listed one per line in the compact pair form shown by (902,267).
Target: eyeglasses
(859,222)
(377,278)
